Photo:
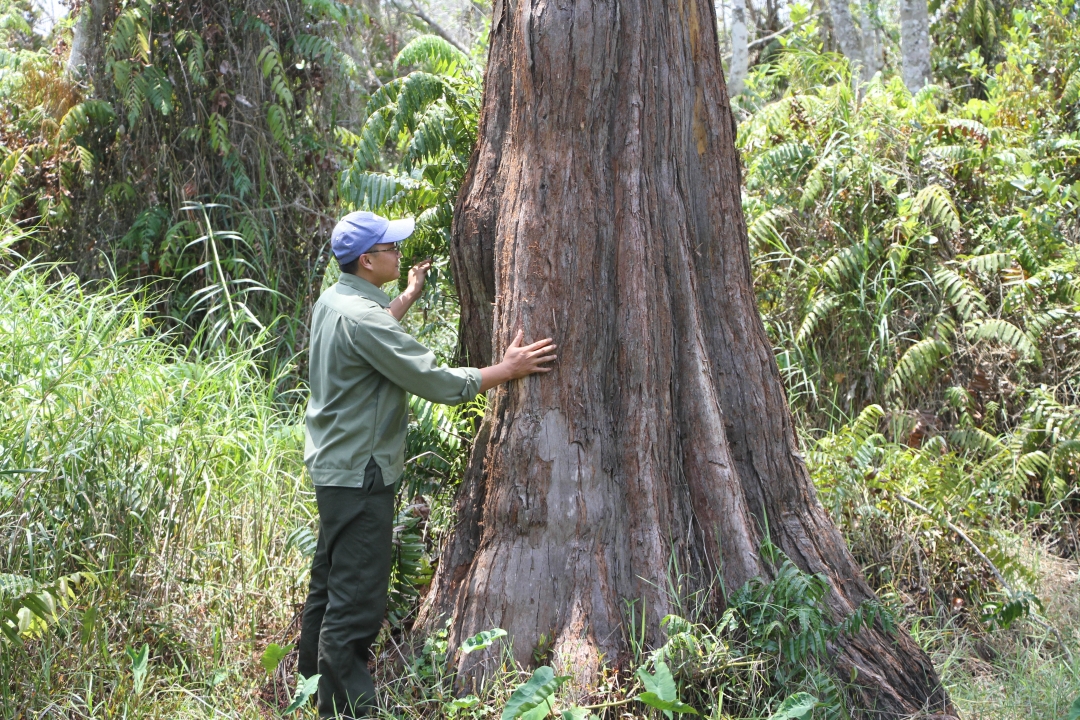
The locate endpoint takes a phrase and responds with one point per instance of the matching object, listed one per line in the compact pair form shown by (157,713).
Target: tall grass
(172,478)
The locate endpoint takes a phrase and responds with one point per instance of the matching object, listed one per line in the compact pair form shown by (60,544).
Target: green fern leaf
(975,440)
(764,231)
(432,54)
(917,365)
(219,133)
(1071,94)
(961,294)
(1037,325)
(1005,333)
(845,267)
(278,123)
(819,310)
(989,262)
(935,201)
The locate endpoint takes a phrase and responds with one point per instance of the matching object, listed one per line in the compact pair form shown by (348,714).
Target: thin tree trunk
(847,35)
(915,43)
(86,37)
(602,207)
(740,53)
(872,60)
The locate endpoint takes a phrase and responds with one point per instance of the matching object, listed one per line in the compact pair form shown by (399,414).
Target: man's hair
(350,267)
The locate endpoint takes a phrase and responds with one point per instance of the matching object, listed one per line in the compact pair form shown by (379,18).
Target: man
(362,364)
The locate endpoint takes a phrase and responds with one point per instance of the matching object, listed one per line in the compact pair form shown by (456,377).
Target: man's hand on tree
(519,361)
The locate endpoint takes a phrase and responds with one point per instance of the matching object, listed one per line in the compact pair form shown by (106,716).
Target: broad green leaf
(532,692)
(305,688)
(482,640)
(795,707)
(539,712)
(577,713)
(273,655)
(138,666)
(668,706)
(661,685)
(1074,709)
(452,708)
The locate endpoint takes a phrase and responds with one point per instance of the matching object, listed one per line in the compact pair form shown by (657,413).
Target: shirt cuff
(472,384)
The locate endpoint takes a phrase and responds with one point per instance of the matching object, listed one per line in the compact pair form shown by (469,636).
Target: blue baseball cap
(358,231)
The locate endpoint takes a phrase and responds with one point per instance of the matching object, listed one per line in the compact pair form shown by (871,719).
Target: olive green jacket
(362,364)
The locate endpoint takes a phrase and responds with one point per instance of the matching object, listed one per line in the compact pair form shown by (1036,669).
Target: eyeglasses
(394,249)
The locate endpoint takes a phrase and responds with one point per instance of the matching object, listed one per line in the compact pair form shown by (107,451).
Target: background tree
(602,207)
(915,43)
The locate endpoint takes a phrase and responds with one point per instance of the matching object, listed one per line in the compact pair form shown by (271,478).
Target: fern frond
(219,133)
(819,310)
(815,181)
(988,262)
(976,440)
(1005,333)
(368,190)
(970,128)
(1037,325)
(764,231)
(935,201)
(961,294)
(82,116)
(278,122)
(157,89)
(372,138)
(954,153)
(917,365)
(432,54)
(435,135)
(1071,94)
(786,160)
(848,265)
(419,90)
(314,47)
(866,423)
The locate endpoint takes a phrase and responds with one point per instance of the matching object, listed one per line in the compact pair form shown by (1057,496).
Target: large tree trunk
(915,43)
(602,207)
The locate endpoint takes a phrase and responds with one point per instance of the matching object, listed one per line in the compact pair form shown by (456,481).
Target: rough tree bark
(602,207)
(915,43)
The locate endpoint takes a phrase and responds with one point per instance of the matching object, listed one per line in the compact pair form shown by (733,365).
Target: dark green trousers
(350,575)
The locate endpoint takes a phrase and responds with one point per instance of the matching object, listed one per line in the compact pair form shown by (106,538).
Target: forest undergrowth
(916,263)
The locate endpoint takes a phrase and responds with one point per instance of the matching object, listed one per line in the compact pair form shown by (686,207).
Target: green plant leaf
(532,692)
(577,713)
(482,640)
(305,688)
(661,685)
(1074,710)
(273,655)
(795,707)
(668,706)
(138,666)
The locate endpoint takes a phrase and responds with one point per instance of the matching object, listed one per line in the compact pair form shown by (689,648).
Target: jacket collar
(365,288)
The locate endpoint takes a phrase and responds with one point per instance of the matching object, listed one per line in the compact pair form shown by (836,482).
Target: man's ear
(365,261)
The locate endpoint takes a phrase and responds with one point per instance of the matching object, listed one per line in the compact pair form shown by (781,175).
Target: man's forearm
(401,304)
(494,375)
